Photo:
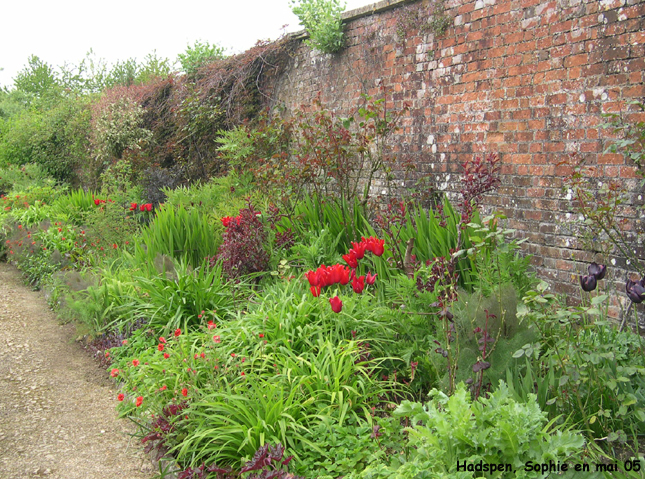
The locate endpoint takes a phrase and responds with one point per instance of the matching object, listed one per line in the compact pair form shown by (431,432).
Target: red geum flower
(184,392)
(370,278)
(177,332)
(162,339)
(135,362)
(120,397)
(114,373)
(315,291)
(166,355)
(139,401)
(336,304)
(226,221)
(211,325)
(160,347)
(351,259)
(217,339)
(358,284)
(261,335)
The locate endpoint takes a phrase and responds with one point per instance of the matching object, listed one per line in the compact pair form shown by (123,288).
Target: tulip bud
(588,283)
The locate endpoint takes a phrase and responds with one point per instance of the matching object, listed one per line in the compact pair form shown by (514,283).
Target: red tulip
(351,259)
(370,278)
(315,291)
(359,249)
(358,284)
(336,304)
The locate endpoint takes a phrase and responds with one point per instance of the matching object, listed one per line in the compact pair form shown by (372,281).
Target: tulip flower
(588,283)
(358,284)
(370,278)
(635,290)
(351,259)
(597,270)
(336,304)
(315,291)
(133,206)
(359,249)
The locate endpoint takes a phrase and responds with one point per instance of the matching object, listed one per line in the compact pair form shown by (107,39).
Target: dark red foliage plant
(243,249)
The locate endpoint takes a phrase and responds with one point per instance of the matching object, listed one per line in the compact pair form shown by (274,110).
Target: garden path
(57,407)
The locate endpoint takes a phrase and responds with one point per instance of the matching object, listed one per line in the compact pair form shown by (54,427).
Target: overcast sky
(65,30)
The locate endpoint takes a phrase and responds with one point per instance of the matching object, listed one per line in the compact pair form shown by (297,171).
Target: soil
(57,406)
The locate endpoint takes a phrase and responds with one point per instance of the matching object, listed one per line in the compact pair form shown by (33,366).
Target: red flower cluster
(146,207)
(98,202)
(339,274)
(327,276)
(372,244)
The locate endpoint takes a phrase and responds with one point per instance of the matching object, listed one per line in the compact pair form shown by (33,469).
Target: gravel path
(57,407)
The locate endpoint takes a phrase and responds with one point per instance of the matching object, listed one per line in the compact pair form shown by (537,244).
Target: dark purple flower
(588,283)
(597,270)
(635,290)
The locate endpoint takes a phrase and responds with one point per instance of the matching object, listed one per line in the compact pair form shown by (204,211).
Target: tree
(199,55)
(37,78)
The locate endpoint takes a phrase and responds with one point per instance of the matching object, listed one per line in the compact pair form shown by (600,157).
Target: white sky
(60,31)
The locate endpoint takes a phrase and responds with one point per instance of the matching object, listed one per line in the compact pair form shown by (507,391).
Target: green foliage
(595,373)
(631,136)
(37,78)
(495,314)
(176,295)
(323,21)
(56,138)
(494,430)
(118,128)
(23,178)
(178,233)
(199,54)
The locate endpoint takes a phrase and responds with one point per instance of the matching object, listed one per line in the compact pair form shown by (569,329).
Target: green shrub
(322,19)
(495,430)
(180,234)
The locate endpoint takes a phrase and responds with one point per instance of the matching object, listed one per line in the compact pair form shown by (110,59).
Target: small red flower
(232,355)
(133,206)
(202,355)
(166,355)
(135,362)
(184,392)
(162,340)
(216,339)
(160,347)
(370,278)
(226,221)
(243,373)
(114,373)
(114,246)
(212,325)
(261,335)
(163,388)
(139,401)
(120,397)
(177,332)
(336,304)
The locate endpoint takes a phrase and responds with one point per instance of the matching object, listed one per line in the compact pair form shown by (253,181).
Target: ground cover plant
(274,320)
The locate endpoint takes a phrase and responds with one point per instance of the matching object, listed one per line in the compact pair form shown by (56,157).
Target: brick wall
(527,79)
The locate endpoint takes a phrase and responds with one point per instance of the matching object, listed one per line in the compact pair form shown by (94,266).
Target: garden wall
(527,79)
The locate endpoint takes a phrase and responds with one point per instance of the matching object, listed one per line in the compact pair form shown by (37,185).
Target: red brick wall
(527,79)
